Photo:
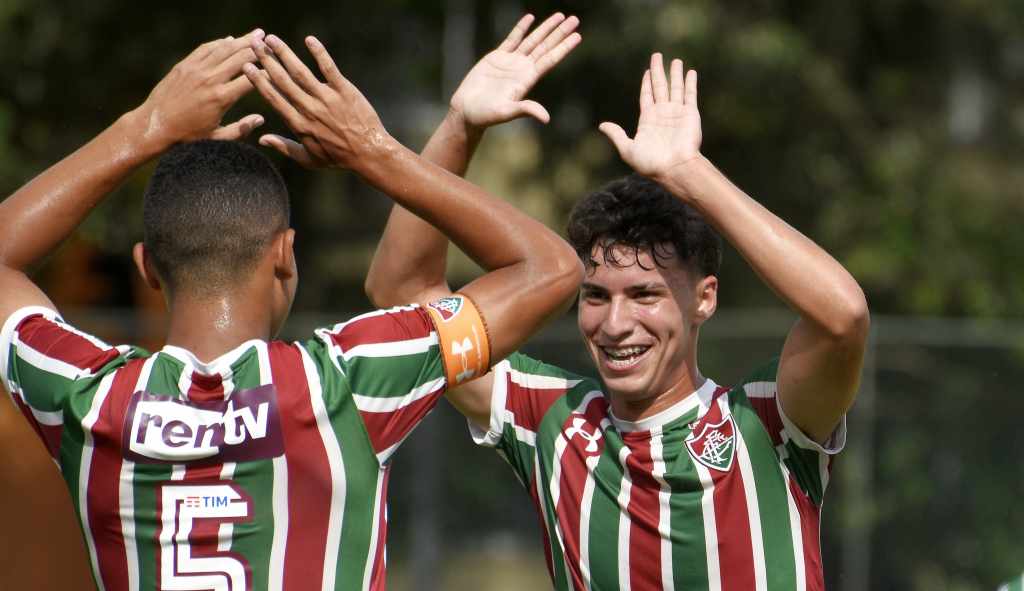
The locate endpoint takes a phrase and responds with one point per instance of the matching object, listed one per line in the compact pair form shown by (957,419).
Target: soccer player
(228,460)
(657,477)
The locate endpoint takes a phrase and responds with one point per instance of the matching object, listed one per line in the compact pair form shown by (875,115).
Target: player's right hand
(494,90)
(335,124)
(190,101)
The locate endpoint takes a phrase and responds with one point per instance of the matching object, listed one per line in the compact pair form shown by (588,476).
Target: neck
(211,326)
(632,409)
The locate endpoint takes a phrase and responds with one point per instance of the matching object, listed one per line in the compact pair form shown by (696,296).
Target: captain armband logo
(462,335)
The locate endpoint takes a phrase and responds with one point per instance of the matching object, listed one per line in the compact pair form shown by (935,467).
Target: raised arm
(187,104)
(410,262)
(531,270)
(819,371)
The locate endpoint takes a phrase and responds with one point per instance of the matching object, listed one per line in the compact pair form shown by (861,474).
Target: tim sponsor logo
(165,429)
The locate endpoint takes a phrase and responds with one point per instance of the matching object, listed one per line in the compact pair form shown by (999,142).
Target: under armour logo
(462,350)
(577,429)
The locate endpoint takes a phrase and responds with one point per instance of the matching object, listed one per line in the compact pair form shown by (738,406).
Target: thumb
(617,136)
(239,129)
(534,109)
(288,148)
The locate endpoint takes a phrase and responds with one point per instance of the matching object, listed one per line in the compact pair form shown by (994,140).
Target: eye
(593,297)
(647,297)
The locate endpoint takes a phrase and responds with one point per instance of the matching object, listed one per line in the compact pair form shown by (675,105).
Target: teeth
(624,352)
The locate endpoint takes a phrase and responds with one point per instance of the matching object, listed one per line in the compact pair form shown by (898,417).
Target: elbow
(850,320)
(375,291)
(563,271)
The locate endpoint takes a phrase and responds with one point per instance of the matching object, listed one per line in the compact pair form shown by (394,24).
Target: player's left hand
(494,90)
(191,100)
(669,132)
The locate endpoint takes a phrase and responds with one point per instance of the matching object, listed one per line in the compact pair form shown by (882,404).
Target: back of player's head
(209,212)
(638,213)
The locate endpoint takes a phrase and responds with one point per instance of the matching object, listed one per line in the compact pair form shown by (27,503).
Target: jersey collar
(700,397)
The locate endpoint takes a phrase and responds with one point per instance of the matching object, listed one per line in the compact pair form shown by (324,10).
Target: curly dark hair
(209,211)
(637,212)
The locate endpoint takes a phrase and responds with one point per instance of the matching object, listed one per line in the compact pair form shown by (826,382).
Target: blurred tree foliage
(890,131)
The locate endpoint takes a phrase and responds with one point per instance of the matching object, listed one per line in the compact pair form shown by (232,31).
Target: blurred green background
(890,131)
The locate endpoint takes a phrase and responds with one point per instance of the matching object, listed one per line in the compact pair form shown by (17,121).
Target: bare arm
(531,270)
(819,371)
(187,104)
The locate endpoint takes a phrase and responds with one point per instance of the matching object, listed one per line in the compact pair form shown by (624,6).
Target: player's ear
(707,298)
(145,266)
(283,249)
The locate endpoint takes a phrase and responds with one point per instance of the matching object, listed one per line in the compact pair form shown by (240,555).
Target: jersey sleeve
(43,360)
(809,462)
(390,362)
(523,392)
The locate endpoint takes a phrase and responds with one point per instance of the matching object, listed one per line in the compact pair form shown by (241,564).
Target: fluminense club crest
(715,445)
(448,307)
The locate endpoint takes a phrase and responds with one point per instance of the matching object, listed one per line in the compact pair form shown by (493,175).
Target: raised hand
(669,132)
(191,100)
(335,124)
(494,90)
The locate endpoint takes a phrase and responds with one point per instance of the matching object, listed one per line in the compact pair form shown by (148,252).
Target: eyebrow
(650,285)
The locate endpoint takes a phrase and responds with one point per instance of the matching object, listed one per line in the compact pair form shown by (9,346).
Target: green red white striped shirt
(720,491)
(266,468)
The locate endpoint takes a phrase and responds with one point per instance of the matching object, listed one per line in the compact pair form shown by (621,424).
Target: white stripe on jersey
(324,334)
(371,556)
(392,349)
(707,505)
(538,483)
(392,403)
(760,389)
(539,382)
(795,530)
(50,419)
(664,508)
(624,492)
(336,463)
(585,507)
(279,488)
(750,493)
(48,364)
(226,530)
(86,463)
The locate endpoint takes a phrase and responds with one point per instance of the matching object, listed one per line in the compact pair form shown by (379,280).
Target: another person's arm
(531,270)
(187,104)
(819,370)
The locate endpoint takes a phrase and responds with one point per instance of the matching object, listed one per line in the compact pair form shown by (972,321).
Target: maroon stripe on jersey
(644,513)
(768,410)
(732,520)
(384,328)
(50,434)
(576,430)
(61,344)
(529,405)
(309,474)
(378,581)
(810,517)
(206,388)
(388,428)
(103,492)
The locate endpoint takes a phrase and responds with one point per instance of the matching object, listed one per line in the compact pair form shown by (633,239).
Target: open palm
(494,90)
(669,132)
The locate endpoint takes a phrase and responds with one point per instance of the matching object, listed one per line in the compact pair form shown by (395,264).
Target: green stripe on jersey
(389,376)
(605,514)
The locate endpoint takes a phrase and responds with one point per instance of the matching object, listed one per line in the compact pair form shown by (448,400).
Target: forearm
(800,272)
(45,211)
(410,262)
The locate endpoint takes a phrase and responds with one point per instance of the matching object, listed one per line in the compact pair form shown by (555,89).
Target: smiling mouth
(623,358)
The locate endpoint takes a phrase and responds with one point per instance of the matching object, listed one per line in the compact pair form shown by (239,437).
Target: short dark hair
(638,213)
(209,211)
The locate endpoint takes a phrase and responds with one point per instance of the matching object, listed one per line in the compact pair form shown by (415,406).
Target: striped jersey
(1014,585)
(266,468)
(719,491)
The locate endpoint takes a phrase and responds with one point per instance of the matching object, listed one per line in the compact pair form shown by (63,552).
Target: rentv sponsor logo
(244,427)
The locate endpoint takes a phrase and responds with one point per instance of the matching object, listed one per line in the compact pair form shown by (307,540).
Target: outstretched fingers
(294,66)
(281,81)
(659,84)
(261,80)
(325,62)
(239,129)
(646,93)
(617,136)
(288,148)
(690,96)
(676,81)
(515,36)
(556,36)
(540,33)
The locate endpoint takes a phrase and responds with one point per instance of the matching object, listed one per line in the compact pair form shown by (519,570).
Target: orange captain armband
(462,336)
